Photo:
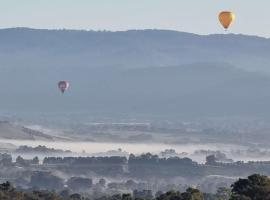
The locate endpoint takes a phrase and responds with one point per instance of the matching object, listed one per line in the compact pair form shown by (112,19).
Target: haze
(105,97)
(182,15)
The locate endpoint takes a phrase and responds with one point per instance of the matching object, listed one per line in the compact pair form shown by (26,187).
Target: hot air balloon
(226,18)
(63,86)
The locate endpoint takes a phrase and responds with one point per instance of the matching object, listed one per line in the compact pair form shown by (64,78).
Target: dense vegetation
(255,187)
(112,175)
(148,165)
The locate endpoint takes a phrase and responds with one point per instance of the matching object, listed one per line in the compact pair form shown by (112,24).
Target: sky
(196,16)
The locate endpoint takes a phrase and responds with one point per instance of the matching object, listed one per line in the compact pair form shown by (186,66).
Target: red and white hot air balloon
(63,86)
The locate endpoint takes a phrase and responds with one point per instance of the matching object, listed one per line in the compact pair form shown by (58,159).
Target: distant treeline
(149,164)
(145,165)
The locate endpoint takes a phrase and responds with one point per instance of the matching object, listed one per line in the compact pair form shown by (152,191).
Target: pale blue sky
(197,16)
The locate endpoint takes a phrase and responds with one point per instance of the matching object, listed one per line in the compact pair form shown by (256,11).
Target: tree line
(254,187)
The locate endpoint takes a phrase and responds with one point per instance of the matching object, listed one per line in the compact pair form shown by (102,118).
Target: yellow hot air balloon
(226,18)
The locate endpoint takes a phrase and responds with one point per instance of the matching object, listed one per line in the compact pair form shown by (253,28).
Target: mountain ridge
(132,30)
(138,72)
(61,48)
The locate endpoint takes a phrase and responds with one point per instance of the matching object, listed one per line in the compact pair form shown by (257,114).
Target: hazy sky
(197,16)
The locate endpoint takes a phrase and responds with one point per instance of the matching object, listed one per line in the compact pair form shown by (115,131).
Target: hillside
(143,48)
(147,72)
(11,131)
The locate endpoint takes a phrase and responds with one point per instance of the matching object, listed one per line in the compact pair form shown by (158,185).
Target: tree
(46,181)
(7,192)
(75,196)
(6,159)
(35,160)
(126,197)
(102,182)
(211,160)
(192,194)
(171,195)
(6,186)
(255,187)
(223,193)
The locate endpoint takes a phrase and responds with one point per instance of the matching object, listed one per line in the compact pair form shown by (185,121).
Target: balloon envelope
(226,18)
(63,86)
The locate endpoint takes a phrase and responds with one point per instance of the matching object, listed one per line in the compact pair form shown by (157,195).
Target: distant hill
(148,72)
(58,49)
(16,132)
